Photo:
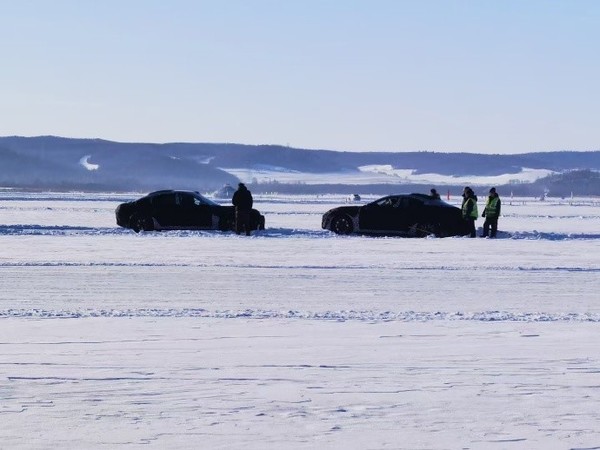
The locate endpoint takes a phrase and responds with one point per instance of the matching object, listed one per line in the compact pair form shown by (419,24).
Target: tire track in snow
(338,316)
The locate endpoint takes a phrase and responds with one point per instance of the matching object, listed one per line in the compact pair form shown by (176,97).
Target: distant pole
(448,195)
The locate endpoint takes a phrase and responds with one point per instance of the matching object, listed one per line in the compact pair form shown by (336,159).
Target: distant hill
(49,162)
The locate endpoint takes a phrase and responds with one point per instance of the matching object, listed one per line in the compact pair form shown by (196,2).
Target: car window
(164,200)
(408,202)
(184,199)
(201,200)
(387,202)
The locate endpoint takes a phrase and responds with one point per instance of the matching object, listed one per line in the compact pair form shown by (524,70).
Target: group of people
(491,212)
(470,213)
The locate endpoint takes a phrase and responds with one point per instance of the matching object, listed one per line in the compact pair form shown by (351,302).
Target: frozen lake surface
(295,337)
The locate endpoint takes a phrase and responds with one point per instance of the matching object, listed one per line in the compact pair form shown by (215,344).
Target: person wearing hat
(491,212)
(242,200)
(469,210)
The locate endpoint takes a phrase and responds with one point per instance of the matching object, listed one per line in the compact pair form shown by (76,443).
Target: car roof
(172,191)
(414,195)
(423,197)
(181,191)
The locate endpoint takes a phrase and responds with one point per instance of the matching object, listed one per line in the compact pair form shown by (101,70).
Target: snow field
(295,337)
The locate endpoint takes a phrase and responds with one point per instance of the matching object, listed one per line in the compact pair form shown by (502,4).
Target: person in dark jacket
(469,210)
(242,200)
(434,194)
(491,212)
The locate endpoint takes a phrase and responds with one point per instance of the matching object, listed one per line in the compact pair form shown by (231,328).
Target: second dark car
(180,210)
(410,215)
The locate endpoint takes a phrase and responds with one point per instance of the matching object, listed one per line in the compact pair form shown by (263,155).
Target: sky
(503,77)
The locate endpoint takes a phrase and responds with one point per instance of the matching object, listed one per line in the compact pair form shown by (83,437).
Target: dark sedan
(409,215)
(180,210)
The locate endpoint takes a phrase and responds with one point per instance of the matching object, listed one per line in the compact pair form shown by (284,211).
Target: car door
(393,214)
(165,210)
(412,211)
(195,213)
(380,216)
(402,215)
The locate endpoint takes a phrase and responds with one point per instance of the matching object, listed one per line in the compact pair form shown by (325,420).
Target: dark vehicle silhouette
(180,210)
(409,215)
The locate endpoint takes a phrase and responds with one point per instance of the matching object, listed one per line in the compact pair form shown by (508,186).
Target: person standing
(491,212)
(469,210)
(242,200)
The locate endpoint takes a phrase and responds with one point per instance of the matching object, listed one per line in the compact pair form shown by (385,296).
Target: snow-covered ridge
(47,162)
(525,175)
(382,174)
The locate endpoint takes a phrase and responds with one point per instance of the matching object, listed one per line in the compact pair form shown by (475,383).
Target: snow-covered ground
(296,338)
(382,174)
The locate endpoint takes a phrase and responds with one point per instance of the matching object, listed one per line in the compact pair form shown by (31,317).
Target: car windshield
(399,201)
(388,202)
(201,200)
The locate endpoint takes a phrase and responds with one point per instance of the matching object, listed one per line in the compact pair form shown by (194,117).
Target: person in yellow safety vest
(469,210)
(491,212)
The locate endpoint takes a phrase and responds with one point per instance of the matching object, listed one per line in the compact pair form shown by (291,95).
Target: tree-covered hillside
(49,162)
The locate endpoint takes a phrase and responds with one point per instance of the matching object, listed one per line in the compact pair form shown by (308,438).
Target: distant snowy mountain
(49,162)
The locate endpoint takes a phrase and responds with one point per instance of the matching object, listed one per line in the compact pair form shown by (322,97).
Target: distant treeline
(577,182)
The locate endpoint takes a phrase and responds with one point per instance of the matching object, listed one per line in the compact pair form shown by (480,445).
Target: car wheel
(139,223)
(342,225)
(257,221)
(226,223)
(134,223)
(148,224)
(424,229)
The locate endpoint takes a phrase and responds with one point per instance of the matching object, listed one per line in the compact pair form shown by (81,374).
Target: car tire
(227,224)
(424,230)
(134,223)
(139,223)
(342,224)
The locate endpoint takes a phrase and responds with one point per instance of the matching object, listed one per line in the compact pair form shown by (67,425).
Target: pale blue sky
(504,76)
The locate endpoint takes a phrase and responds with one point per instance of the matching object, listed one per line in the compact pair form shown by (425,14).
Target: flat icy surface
(297,338)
